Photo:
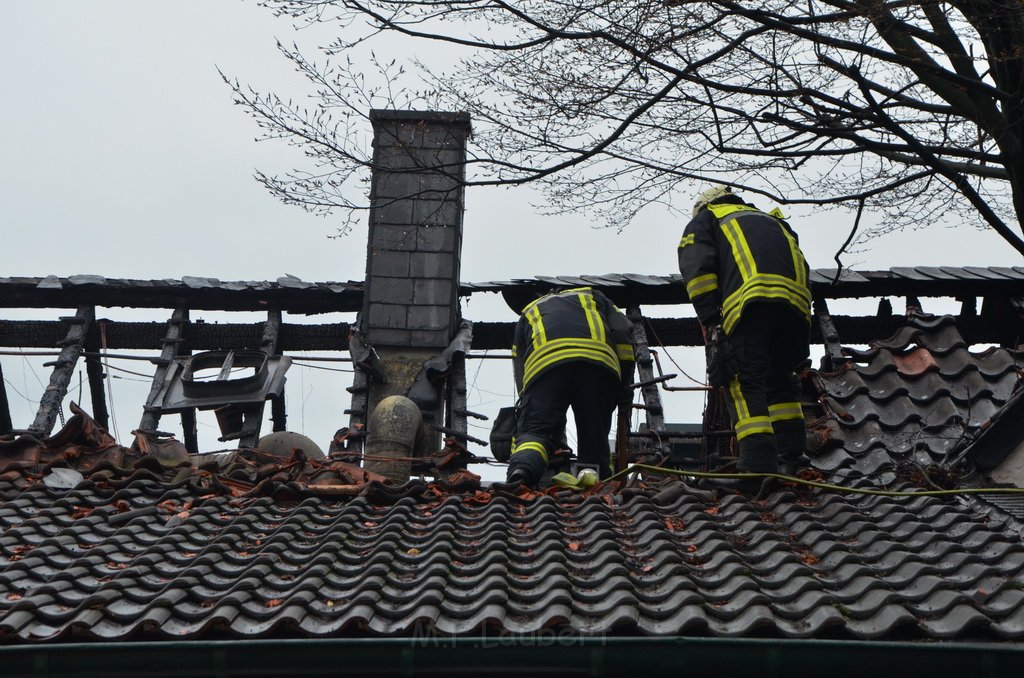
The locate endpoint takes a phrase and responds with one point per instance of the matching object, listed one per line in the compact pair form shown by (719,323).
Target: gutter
(541,653)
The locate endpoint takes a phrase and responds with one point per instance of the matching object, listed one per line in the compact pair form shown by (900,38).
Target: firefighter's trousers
(770,343)
(591,391)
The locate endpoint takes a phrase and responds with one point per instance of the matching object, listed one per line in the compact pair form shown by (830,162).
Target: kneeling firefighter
(571,349)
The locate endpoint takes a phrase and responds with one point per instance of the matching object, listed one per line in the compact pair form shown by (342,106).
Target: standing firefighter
(571,349)
(747,280)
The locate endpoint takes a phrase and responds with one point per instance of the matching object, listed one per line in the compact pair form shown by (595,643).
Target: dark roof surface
(101,542)
(912,398)
(141,556)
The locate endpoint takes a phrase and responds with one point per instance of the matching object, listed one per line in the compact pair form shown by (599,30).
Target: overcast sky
(123,156)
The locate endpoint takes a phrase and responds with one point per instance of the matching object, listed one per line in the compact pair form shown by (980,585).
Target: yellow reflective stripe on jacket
(689,239)
(594,320)
(702,284)
(563,349)
(785,411)
(767,282)
(582,353)
(740,249)
(765,286)
(625,352)
(531,446)
(536,326)
(799,268)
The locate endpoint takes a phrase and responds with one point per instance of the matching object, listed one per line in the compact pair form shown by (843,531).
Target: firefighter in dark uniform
(747,280)
(571,349)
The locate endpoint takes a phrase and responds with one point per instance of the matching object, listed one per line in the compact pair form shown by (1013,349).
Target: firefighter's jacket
(577,324)
(732,255)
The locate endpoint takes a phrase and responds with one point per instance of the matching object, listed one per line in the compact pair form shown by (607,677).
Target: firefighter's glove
(721,360)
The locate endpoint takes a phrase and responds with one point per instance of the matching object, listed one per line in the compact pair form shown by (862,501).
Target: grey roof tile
(913,397)
(649,561)
(958,621)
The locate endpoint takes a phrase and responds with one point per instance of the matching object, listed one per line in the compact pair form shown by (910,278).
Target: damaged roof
(300,296)
(915,398)
(141,557)
(147,546)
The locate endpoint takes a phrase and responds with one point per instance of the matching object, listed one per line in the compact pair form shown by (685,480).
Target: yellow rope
(823,486)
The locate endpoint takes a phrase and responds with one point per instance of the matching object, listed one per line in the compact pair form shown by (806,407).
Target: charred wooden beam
(188,419)
(5,406)
(1006,313)
(296,296)
(278,413)
(634,290)
(985,328)
(833,357)
(202,336)
(174,336)
(207,294)
(94,370)
(63,369)
(456,414)
(884,308)
(253,417)
(189,430)
(968,307)
(851,329)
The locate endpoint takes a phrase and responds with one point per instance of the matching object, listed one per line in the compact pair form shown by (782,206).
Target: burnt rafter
(289,294)
(174,336)
(26,334)
(5,406)
(993,285)
(202,336)
(850,330)
(94,369)
(63,367)
(252,417)
(625,289)
(829,336)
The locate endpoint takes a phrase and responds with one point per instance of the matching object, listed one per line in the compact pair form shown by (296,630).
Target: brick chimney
(410,308)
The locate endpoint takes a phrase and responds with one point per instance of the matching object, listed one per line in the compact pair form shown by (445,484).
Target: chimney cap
(451,117)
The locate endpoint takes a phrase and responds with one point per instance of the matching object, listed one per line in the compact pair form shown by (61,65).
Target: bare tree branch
(910,109)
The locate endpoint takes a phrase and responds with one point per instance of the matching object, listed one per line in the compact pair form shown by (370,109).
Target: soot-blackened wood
(202,336)
(457,403)
(189,427)
(278,413)
(175,335)
(189,430)
(253,417)
(833,357)
(206,294)
(5,407)
(34,334)
(63,369)
(94,370)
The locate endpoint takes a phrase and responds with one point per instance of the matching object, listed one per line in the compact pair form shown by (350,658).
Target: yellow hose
(823,486)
